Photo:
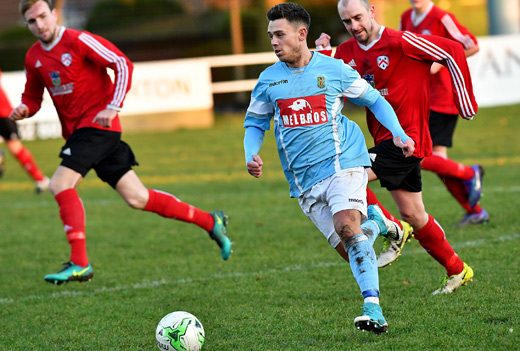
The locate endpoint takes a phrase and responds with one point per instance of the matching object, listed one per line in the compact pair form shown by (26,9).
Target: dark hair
(292,12)
(25,5)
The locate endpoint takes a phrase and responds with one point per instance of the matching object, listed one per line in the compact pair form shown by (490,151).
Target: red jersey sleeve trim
(455,32)
(121,71)
(439,54)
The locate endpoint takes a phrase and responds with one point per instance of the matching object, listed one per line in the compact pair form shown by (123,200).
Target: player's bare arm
(104,118)
(255,167)
(20,112)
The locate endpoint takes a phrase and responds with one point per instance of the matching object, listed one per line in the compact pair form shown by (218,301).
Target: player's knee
(56,187)
(415,218)
(136,201)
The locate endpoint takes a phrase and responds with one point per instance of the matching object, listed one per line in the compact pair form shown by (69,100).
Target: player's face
(358,20)
(42,22)
(286,40)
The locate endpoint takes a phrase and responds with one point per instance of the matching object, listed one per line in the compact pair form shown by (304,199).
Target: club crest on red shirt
(66,59)
(55,77)
(383,62)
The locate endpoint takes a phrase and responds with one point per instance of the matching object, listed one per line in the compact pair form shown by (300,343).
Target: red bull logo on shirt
(304,111)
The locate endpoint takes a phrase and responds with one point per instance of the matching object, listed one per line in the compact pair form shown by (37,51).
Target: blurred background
(167,29)
(152,30)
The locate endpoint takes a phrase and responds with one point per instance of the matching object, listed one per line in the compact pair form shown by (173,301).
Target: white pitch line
(292,268)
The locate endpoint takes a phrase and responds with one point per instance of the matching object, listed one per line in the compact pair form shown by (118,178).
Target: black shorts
(102,150)
(442,127)
(394,170)
(8,129)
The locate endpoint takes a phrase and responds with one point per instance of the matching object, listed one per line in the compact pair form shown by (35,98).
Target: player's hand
(408,147)
(323,41)
(435,68)
(255,167)
(20,112)
(104,118)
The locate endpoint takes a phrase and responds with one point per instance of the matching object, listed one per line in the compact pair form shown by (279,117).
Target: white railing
(495,73)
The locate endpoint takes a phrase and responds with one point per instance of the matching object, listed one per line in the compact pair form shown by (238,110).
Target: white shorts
(346,190)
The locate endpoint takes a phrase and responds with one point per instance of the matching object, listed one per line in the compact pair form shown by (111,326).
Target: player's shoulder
(392,33)
(407,14)
(271,72)
(392,37)
(70,33)
(438,13)
(324,59)
(32,55)
(273,69)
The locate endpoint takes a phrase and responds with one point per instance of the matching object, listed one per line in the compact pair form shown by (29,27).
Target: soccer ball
(180,331)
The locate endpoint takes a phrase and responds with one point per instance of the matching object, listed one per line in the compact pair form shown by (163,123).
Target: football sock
(72,214)
(459,192)
(372,200)
(29,164)
(446,167)
(371,296)
(169,206)
(363,264)
(432,238)
(371,230)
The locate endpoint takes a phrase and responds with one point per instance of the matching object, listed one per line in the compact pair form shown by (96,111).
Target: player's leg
(347,216)
(9,131)
(137,196)
(327,205)
(442,127)
(432,238)
(2,162)
(26,159)
(83,149)
(373,200)
(391,167)
(72,213)
(473,215)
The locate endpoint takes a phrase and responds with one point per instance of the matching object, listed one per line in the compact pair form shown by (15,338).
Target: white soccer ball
(180,331)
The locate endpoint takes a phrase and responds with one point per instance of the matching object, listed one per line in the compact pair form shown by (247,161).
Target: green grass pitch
(283,288)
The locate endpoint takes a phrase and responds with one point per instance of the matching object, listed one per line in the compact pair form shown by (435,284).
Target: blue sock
(363,263)
(371,230)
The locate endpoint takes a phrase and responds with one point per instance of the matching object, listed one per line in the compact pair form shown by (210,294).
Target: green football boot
(69,273)
(372,319)
(219,233)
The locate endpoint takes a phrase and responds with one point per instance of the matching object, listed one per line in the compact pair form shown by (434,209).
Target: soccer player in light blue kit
(323,156)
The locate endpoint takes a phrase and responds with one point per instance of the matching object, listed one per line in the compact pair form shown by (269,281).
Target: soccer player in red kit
(398,65)
(463,182)
(9,131)
(72,66)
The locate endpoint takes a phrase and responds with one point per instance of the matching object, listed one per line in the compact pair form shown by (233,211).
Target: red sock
(72,214)
(372,200)
(169,206)
(459,192)
(29,164)
(446,167)
(432,238)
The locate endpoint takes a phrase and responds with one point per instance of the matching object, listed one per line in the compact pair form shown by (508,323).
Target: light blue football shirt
(314,139)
